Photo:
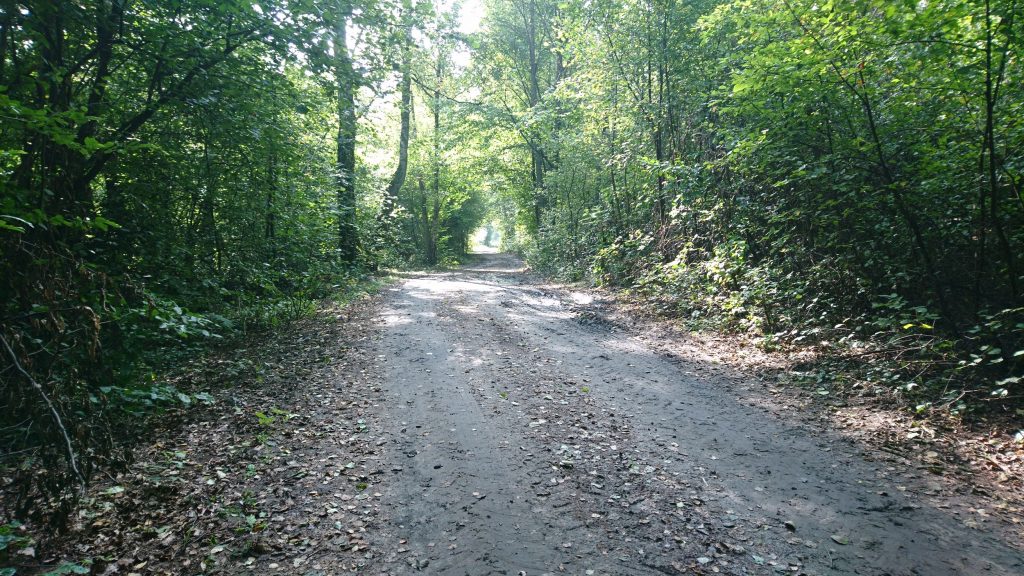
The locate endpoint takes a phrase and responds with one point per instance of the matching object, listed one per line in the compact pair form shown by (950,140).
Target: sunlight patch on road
(537,299)
(581,298)
(628,347)
(499,271)
(444,286)
(396,318)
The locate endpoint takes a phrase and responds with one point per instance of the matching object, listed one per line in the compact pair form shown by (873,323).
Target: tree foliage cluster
(178,172)
(843,173)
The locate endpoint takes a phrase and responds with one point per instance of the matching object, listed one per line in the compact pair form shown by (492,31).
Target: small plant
(70,568)
(267,420)
(253,524)
(12,540)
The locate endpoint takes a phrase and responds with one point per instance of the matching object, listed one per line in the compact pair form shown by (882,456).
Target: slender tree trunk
(661,154)
(995,217)
(433,225)
(270,222)
(405,87)
(53,92)
(429,241)
(539,199)
(212,239)
(435,228)
(5,32)
(348,234)
(533,97)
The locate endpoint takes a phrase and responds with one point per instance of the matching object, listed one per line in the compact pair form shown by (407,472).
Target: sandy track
(520,439)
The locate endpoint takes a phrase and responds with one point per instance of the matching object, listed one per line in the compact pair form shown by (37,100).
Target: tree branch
(53,412)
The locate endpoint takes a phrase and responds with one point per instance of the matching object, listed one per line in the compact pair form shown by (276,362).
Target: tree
(405,111)
(524,65)
(165,184)
(775,164)
(347,82)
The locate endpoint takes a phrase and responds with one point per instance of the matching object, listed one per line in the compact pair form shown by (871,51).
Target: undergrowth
(864,342)
(86,369)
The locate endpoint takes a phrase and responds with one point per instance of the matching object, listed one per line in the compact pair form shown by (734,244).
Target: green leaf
(103,224)
(5,226)
(68,568)
(204,397)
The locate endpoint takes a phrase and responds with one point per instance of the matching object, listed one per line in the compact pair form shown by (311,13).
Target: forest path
(522,434)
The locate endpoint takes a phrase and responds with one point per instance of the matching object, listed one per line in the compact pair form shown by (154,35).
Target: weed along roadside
(211,478)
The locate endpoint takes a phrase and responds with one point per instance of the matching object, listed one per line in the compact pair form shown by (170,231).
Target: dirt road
(524,435)
(480,422)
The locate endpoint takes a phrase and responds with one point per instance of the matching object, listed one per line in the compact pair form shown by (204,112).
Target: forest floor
(482,421)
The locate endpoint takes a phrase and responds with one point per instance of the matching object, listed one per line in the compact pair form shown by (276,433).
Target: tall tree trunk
(348,234)
(270,217)
(212,240)
(533,97)
(539,200)
(5,32)
(992,80)
(429,239)
(433,224)
(405,87)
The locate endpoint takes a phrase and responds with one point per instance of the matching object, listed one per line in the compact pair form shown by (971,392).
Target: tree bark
(533,97)
(991,95)
(345,75)
(405,87)
(432,223)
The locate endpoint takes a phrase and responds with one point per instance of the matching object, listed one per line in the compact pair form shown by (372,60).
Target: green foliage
(11,538)
(840,174)
(168,182)
(443,198)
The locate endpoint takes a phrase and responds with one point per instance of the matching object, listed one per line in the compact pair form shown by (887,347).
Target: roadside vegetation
(180,176)
(839,176)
